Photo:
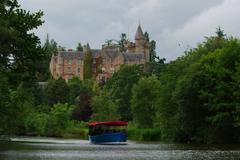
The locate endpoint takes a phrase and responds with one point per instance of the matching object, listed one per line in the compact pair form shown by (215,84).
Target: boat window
(105,129)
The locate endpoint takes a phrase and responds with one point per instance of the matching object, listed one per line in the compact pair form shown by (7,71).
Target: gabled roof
(77,54)
(71,54)
(95,52)
(133,56)
(112,54)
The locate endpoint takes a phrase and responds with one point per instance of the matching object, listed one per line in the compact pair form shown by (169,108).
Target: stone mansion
(105,61)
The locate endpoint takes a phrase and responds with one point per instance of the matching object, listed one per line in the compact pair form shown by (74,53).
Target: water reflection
(58,149)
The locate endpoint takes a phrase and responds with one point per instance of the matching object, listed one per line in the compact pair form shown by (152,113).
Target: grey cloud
(169,22)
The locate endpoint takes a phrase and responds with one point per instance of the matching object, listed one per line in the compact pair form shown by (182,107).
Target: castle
(105,61)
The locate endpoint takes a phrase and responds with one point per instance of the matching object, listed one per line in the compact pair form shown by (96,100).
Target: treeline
(25,107)
(52,109)
(192,99)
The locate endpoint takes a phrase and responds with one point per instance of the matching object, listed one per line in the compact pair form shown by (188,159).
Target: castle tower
(141,45)
(139,40)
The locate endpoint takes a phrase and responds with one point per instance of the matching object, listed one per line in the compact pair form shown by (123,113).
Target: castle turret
(139,40)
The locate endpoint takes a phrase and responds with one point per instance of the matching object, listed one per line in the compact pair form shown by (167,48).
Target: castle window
(103,69)
(69,61)
(80,62)
(112,69)
(78,70)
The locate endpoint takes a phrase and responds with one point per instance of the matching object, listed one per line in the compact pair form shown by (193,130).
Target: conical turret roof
(139,33)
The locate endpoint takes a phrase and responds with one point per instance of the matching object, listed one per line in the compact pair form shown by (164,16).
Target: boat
(107,132)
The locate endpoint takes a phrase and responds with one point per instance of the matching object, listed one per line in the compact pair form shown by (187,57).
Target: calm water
(58,149)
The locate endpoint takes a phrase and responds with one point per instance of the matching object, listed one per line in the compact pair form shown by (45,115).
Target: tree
(198,95)
(87,63)
(220,95)
(20,49)
(215,42)
(57,91)
(79,47)
(49,48)
(153,55)
(146,37)
(122,42)
(20,105)
(83,108)
(4,103)
(108,43)
(152,47)
(144,100)
(36,123)
(154,68)
(220,33)
(104,108)
(61,48)
(60,114)
(120,85)
(75,88)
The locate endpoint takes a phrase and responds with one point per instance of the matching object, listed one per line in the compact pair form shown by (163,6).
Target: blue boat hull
(109,137)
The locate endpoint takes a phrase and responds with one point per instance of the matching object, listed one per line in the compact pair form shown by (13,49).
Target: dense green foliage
(104,108)
(4,103)
(83,109)
(27,108)
(87,63)
(20,49)
(198,94)
(120,86)
(57,91)
(50,48)
(79,47)
(192,99)
(152,47)
(123,42)
(143,134)
(144,97)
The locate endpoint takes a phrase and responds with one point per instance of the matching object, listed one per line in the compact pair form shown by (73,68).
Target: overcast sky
(176,25)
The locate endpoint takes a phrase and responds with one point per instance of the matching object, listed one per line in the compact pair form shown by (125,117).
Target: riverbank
(71,149)
(73,129)
(149,134)
(134,134)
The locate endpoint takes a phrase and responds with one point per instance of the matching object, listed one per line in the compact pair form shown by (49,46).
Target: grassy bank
(72,129)
(75,130)
(143,134)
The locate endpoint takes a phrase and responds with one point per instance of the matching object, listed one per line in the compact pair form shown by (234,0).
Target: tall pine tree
(87,63)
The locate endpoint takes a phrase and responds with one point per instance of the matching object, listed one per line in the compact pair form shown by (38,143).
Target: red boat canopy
(109,123)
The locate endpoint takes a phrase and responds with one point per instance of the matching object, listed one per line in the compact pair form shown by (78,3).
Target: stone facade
(106,61)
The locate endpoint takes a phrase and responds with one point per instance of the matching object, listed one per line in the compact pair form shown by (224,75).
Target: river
(62,149)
